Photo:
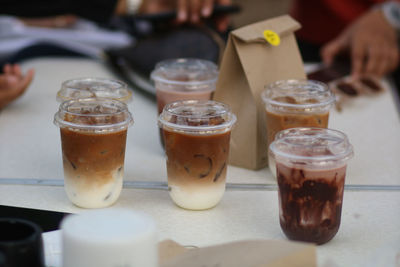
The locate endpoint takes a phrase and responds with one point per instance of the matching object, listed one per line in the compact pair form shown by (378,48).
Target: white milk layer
(87,194)
(197,198)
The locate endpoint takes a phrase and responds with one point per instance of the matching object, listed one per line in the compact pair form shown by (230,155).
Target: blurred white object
(52,248)
(109,237)
(84,37)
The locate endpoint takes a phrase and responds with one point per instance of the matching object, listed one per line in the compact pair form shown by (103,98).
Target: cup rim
(346,154)
(191,84)
(63,109)
(331,99)
(203,128)
(36,231)
(125,98)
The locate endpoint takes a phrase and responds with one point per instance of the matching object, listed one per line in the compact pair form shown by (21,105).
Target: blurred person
(367,31)
(59,13)
(13,83)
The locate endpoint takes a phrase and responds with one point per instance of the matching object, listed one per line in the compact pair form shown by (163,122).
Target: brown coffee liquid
(310,202)
(196,160)
(89,155)
(277,122)
(165,97)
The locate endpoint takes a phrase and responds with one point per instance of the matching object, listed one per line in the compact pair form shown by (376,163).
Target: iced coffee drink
(311,168)
(196,135)
(184,79)
(93,137)
(94,88)
(296,103)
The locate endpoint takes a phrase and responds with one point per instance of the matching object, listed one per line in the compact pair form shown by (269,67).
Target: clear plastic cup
(184,79)
(311,168)
(94,88)
(196,135)
(93,138)
(295,103)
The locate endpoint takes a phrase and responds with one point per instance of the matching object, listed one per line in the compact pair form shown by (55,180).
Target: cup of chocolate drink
(94,88)
(93,139)
(311,168)
(196,135)
(183,79)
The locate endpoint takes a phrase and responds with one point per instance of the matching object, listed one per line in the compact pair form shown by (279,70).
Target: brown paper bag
(252,253)
(248,65)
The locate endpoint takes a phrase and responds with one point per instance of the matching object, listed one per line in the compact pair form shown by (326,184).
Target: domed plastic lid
(311,146)
(94,87)
(93,114)
(197,116)
(193,73)
(298,94)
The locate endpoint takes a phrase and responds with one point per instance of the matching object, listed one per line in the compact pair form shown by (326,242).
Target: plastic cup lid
(94,87)
(314,146)
(305,94)
(190,72)
(205,116)
(93,114)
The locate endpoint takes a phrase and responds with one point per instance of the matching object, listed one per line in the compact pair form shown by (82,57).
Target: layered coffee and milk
(196,136)
(93,139)
(311,168)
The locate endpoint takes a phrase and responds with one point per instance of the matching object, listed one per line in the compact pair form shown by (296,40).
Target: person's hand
(372,45)
(192,11)
(13,83)
(61,21)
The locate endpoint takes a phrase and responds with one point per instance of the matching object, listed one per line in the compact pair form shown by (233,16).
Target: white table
(30,149)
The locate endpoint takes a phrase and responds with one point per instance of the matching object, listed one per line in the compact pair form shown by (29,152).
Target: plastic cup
(94,88)
(295,103)
(109,237)
(311,168)
(196,135)
(183,79)
(21,243)
(93,139)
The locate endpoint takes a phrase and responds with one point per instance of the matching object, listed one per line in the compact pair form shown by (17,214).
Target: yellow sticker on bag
(272,37)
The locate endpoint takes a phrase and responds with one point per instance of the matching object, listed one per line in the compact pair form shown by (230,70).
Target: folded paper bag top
(250,62)
(248,253)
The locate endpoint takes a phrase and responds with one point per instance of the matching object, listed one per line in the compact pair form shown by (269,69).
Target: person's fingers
(7,68)
(373,58)
(224,2)
(207,8)
(194,11)
(332,49)
(16,70)
(222,23)
(382,67)
(26,80)
(182,10)
(393,59)
(358,52)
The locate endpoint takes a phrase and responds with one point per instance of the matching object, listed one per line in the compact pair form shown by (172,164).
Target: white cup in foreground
(109,237)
